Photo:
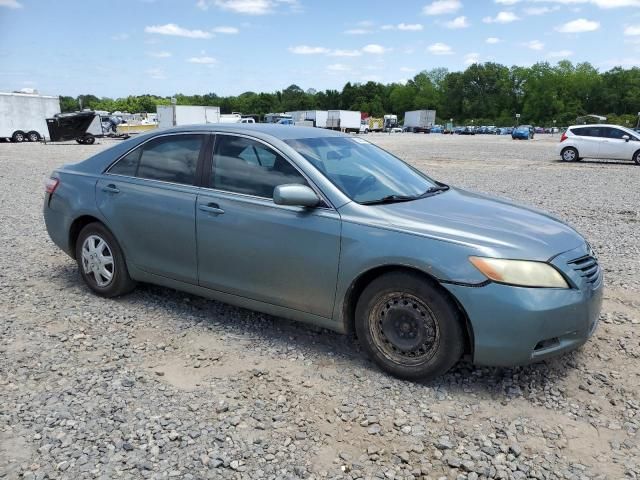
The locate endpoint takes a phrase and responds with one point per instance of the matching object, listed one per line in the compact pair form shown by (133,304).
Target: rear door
(251,247)
(613,146)
(588,140)
(148,198)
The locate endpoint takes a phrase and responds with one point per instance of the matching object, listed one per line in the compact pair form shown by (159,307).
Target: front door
(148,199)
(615,147)
(251,247)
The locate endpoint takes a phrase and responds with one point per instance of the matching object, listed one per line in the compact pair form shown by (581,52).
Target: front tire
(101,262)
(408,326)
(636,157)
(569,154)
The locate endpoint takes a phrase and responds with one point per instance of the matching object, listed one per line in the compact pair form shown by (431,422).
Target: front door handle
(212,208)
(111,188)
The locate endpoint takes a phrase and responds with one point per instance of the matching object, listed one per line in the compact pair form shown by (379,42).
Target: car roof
(281,132)
(599,125)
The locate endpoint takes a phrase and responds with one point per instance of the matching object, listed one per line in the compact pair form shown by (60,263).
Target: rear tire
(18,136)
(33,136)
(89,139)
(569,154)
(101,262)
(408,326)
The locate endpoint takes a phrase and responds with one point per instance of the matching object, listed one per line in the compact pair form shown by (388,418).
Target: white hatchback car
(599,141)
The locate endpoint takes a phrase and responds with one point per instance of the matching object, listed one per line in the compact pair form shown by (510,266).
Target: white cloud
(10,4)
(339,67)
(540,10)
(159,54)
(407,69)
(578,26)
(307,50)
(374,48)
(502,17)
(345,53)
(202,60)
(560,54)
(442,7)
(439,49)
(248,7)
(226,30)
(492,40)
(458,22)
(177,31)
(358,31)
(407,27)
(632,30)
(534,45)
(507,2)
(410,27)
(120,37)
(471,58)
(156,73)
(605,4)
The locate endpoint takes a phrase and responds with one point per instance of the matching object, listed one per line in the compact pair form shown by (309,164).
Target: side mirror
(626,138)
(295,195)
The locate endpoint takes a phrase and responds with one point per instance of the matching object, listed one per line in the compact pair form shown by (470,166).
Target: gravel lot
(160,384)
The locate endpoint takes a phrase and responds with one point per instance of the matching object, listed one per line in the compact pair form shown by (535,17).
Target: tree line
(484,93)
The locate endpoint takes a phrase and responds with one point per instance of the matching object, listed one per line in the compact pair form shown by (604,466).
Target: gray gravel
(160,384)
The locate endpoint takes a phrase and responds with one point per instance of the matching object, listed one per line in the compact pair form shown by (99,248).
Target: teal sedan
(326,228)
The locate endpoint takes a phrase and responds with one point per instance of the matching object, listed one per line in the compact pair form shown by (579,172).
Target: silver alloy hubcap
(97,260)
(569,155)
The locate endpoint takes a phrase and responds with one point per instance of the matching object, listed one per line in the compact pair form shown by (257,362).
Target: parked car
(599,141)
(523,132)
(458,130)
(437,129)
(326,228)
(468,130)
(539,130)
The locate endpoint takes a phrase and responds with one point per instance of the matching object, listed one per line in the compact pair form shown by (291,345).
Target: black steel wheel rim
(404,329)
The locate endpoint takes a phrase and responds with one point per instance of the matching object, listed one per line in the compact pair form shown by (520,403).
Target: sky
(116,48)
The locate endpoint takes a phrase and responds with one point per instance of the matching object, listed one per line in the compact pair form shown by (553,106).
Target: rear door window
(172,158)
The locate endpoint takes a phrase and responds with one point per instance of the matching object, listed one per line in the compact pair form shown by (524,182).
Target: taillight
(51,184)
(563,137)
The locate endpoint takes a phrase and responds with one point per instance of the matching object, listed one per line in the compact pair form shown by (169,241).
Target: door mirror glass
(295,195)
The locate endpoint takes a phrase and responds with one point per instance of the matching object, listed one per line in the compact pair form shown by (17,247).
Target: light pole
(517,119)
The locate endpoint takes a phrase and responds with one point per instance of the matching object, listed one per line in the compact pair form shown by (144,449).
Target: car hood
(492,226)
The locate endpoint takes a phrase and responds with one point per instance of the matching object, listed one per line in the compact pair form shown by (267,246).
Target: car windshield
(362,171)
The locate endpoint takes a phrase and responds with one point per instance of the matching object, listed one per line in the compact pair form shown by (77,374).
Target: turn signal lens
(522,273)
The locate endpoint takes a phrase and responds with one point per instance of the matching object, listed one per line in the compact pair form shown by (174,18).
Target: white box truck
(344,120)
(176,115)
(419,121)
(23,116)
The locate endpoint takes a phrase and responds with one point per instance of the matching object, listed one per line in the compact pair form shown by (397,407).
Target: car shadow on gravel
(598,162)
(324,345)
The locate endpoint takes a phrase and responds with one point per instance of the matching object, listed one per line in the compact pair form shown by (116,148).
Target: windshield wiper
(440,188)
(390,199)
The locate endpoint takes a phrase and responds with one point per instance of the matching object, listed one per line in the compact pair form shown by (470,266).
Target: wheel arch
(76,227)
(365,278)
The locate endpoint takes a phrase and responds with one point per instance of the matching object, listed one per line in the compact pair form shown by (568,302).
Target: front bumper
(515,325)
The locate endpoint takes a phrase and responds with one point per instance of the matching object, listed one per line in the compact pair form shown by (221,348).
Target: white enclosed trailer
(303,117)
(176,115)
(23,117)
(344,120)
(419,120)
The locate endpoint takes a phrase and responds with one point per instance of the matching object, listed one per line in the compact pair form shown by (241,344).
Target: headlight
(520,272)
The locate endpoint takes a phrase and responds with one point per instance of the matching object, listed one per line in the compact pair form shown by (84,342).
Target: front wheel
(408,326)
(101,262)
(569,154)
(636,157)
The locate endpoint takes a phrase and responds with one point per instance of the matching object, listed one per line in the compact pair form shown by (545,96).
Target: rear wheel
(18,136)
(569,154)
(33,136)
(89,139)
(101,262)
(408,327)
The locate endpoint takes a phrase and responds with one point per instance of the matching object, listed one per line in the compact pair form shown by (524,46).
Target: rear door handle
(111,188)
(212,208)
